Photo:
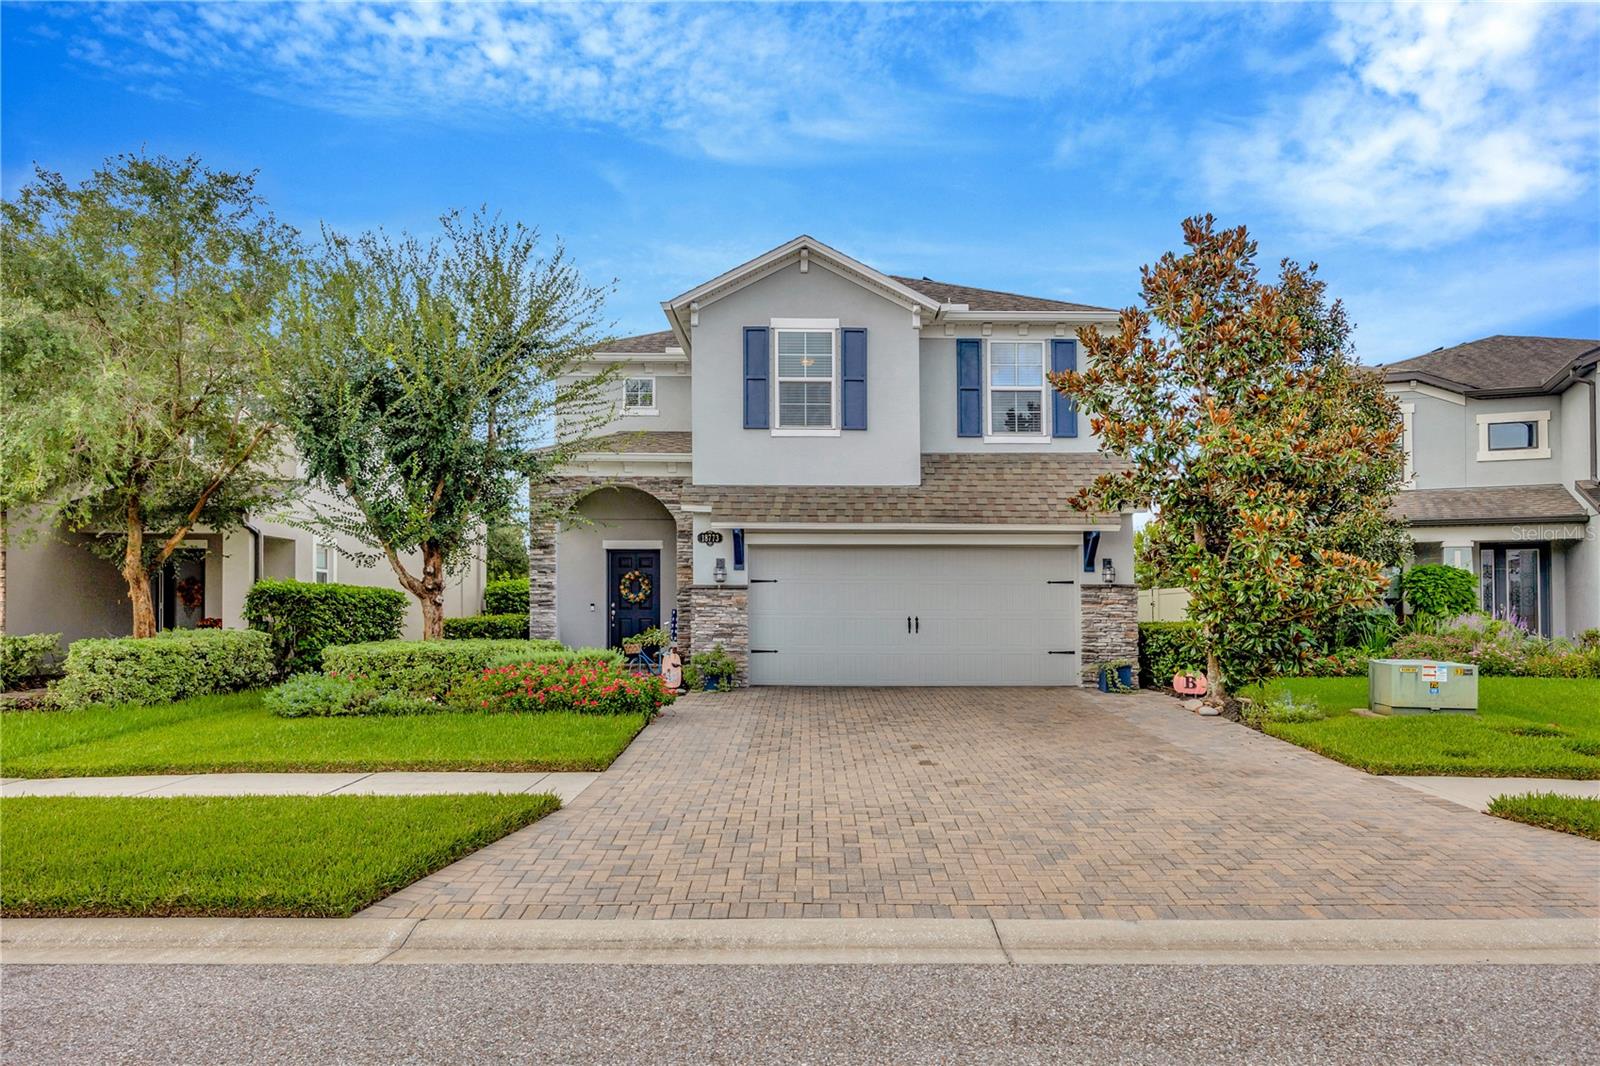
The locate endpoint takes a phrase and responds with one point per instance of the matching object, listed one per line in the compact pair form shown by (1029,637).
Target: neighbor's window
(1016,388)
(639,394)
(1506,436)
(321,562)
(805,378)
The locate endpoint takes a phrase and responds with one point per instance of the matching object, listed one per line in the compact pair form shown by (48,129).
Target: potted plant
(715,669)
(654,639)
(1115,677)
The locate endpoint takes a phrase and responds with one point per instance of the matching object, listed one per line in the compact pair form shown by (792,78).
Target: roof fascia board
(1427,385)
(732,281)
(1085,317)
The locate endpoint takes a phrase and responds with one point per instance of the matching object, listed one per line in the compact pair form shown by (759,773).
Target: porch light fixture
(1108,573)
(720,573)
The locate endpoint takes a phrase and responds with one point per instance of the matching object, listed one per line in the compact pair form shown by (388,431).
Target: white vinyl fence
(1163,605)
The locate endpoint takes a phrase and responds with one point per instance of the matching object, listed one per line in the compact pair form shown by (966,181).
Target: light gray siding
(887,452)
(1445,442)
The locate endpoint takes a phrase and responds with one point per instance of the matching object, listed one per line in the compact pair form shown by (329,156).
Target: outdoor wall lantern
(720,574)
(1108,573)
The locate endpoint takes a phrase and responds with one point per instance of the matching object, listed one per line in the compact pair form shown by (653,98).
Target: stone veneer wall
(1110,626)
(722,616)
(542,561)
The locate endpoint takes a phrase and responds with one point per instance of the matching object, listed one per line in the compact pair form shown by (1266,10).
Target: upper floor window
(1514,435)
(322,562)
(1016,389)
(806,379)
(639,396)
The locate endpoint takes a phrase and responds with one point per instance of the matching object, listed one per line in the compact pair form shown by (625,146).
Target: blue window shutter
(969,388)
(738,549)
(1063,411)
(757,365)
(1091,548)
(853,378)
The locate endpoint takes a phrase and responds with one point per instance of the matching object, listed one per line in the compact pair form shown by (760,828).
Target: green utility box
(1421,686)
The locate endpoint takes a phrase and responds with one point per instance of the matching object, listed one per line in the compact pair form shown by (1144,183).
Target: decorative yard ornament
(1187,683)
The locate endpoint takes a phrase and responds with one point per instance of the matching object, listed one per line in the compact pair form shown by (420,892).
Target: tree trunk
(1214,689)
(431,594)
(138,579)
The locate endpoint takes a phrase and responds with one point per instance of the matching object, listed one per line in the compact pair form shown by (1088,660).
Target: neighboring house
(845,477)
(56,584)
(1502,472)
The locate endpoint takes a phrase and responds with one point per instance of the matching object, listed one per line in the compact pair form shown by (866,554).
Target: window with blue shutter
(757,367)
(738,549)
(1063,411)
(853,378)
(969,388)
(1091,548)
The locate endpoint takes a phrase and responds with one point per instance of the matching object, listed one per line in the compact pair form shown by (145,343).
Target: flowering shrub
(586,687)
(1347,662)
(1500,649)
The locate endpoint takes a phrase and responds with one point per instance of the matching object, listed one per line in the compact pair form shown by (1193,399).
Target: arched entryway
(616,567)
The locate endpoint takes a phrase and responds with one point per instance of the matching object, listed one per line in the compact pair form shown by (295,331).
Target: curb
(774,941)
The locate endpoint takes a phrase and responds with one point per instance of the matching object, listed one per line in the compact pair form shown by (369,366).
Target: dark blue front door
(635,592)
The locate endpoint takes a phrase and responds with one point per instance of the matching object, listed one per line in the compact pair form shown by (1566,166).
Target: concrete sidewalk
(567,786)
(1476,792)
(784,941)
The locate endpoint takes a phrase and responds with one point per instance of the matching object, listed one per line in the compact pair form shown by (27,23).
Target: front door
(1514,580)
(634,592)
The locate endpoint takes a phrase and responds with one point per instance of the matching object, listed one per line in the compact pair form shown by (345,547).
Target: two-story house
(1503,473)
(846,477)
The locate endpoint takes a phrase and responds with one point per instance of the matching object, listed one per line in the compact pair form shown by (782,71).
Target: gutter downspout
(255,550)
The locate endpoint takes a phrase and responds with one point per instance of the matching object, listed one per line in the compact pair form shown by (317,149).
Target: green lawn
(303,856)
(1567,814)
(1526,727)
(234,733)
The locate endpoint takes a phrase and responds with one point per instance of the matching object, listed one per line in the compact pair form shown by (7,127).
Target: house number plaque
(709,538)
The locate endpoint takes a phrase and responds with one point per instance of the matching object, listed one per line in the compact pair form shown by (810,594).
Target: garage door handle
(919,623)
(908,623)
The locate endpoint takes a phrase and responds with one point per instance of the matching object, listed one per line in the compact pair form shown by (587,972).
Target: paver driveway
(1043,803)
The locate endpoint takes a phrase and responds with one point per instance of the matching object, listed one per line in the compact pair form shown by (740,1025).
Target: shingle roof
(1498,362)
(650,442)
(1495,505)
(1029,488)
(989,299)
(641,344)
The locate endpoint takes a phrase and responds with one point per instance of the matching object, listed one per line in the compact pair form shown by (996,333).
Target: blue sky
(1442,163)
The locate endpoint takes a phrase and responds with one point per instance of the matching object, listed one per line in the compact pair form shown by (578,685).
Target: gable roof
(1497,364)
(991,299)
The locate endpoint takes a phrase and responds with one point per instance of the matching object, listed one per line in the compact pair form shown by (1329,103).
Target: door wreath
(634,587)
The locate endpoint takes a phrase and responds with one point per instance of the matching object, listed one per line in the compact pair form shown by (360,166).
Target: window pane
(805,354)
(1030,364)
(1504,435)
(805,405)
(1016,412)
(641,392)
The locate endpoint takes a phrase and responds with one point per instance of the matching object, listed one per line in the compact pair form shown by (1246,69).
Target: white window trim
(805,325)
(333,556)
(1541,421)
(989,435)
(640,412)
(1408,419)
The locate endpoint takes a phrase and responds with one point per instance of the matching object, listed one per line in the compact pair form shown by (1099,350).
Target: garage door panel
(984,616)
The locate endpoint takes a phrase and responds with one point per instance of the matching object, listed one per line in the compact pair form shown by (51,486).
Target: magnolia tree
(1269,455)
(422,384)
(137,314)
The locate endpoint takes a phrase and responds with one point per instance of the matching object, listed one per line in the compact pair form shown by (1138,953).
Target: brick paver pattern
(1041,803)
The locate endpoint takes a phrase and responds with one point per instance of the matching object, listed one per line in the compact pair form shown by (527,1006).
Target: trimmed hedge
(506,596)
(304,617)
(425,668)
(28,655)
(319,696)
(1440,591)
(1165,649)
(487,627)
(173,666)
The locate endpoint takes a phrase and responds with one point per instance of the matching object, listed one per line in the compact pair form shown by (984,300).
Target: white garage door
(913,616)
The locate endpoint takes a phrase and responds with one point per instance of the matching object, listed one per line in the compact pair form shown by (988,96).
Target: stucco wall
(582,587)
(938,392)
(56,585)
(1445,443)
(887,452)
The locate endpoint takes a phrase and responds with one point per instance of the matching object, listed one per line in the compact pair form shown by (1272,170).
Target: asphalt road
(799,1014)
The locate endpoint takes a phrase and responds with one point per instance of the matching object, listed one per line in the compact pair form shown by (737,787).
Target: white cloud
(1443,119)
(740,83)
